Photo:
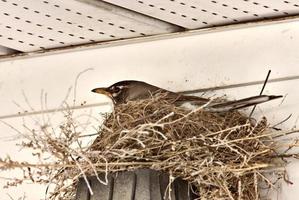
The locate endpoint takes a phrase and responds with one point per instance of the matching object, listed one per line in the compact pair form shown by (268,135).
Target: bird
(132,90)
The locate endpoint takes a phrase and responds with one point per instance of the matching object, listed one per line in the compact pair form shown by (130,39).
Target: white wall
(184,63)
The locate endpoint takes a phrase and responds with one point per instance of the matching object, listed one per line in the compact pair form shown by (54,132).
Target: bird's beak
(102,91)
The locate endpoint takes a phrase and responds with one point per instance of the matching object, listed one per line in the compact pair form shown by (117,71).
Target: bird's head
(124,91)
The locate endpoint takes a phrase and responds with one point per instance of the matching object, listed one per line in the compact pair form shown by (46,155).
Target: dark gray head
(124,91)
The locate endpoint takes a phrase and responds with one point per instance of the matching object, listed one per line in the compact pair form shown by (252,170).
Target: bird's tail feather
(242,103)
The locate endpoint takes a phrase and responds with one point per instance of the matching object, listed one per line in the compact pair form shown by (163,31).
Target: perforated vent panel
(194,14)
(28,25)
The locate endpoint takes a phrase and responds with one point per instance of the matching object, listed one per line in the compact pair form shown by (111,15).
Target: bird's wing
(181,99)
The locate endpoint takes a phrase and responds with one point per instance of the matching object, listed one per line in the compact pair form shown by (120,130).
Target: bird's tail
(242,103)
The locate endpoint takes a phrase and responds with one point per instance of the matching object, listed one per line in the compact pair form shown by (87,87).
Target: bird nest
(224,155)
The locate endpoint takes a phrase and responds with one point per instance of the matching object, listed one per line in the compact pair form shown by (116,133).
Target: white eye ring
(114,94)
(116,90)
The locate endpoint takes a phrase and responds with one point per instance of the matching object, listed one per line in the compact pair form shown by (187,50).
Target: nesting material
(224,155)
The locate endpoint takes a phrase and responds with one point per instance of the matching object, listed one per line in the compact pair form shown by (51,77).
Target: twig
(261,92)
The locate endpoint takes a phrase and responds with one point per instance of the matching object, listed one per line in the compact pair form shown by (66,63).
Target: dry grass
(225,155)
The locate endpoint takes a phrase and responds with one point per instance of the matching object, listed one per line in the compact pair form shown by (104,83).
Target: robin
(131,90)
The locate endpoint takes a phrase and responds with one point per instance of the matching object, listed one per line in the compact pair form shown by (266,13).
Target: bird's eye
(116,89)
